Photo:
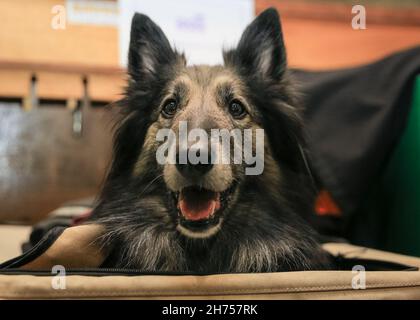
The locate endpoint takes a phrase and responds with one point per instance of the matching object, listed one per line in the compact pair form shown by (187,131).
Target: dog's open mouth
(198,204)
(200,208)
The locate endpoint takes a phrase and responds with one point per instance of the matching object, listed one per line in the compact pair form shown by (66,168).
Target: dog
(205,217)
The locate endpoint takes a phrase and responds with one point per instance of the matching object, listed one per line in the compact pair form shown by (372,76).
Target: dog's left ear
(260,51)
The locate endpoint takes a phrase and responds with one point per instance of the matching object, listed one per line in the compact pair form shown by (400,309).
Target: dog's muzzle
(201,195)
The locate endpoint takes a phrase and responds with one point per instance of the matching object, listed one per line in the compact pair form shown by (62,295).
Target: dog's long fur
(263,229)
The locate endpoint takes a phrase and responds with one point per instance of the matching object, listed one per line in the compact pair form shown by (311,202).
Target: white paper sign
(200,28)
(93,12)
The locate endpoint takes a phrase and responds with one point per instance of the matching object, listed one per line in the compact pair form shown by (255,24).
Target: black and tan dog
(208,217)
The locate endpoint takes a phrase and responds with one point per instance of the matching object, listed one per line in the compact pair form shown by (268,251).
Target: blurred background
(63,61)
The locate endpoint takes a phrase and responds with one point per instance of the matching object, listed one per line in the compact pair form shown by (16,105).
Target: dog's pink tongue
(197,211)
(196,204)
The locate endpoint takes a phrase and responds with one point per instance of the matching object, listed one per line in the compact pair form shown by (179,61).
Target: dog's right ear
(150,51)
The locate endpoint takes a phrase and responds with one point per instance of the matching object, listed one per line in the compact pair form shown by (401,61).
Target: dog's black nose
(194,169)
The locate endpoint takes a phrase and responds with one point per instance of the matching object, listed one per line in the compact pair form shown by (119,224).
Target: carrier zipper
(102,272)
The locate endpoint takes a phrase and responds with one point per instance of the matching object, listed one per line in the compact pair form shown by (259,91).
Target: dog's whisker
(150,184)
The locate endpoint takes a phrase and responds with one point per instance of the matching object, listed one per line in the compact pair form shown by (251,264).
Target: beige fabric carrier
(75,249)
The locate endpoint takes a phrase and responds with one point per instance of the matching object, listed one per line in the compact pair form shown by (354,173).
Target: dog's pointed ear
(149,51)
(260,51)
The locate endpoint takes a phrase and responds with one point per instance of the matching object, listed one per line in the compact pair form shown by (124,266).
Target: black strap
(35,251)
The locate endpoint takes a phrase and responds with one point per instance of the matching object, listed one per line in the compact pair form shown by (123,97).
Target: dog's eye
(169,108)
(237,110)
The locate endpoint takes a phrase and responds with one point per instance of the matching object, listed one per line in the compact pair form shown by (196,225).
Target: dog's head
(189,114)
